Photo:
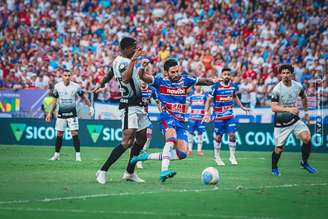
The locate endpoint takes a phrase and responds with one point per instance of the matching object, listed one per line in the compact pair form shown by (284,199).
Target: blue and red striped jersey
(147,94)
(173,95)
(223,100)
(197,105)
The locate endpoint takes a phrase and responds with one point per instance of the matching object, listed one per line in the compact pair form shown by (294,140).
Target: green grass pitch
(33,187)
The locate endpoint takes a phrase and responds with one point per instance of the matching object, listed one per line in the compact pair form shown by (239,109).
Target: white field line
(215,188)
(144,213)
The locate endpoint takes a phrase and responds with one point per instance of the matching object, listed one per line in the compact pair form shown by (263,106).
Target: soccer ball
(210,176)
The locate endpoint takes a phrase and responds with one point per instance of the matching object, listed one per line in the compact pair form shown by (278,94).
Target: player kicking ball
(223,96)
(172,93)
(287,120)
(65,94)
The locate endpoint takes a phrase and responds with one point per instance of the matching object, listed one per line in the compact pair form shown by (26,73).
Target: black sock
(306,151)
(135,150)
(116,153)
(59,141)
(76,143)
(275,159)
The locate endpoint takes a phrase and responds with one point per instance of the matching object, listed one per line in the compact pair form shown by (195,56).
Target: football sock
(116,153)
(146,146)
(232,148)
(217,148)
(76,143)
(59,141)
(306,151)
(166,155)
(200,142)
(135,150)
(275,159)
(155,156)
(190,141)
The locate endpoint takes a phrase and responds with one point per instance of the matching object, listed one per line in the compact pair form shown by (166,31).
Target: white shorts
(71,123)
(134,117)
(281,134)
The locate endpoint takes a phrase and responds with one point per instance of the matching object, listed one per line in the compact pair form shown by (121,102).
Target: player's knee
(74,133)
(279,149)
(181,154)
(306,137)
(60,133)
(232,137)
(218,139)
(172,140)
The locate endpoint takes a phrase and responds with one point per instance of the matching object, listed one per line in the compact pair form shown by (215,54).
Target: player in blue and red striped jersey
(148,93)
(223,96)
(196,102)
(172,93)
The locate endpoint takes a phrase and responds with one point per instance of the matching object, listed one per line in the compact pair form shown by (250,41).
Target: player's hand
(91,111)
(293,110)
(206,118)
(247,110)
(97,89)
(144,63)
(48,117)
(137,54)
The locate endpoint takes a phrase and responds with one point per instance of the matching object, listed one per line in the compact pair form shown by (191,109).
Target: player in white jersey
(133,115)
(65,95)
(287,121)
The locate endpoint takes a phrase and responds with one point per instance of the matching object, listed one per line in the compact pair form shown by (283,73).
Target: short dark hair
(127,42)
(286,66)
(225,69)
(169,63)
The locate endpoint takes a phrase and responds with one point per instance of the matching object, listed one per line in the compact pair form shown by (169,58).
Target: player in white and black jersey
(287,121)
(133,115)
(65,97)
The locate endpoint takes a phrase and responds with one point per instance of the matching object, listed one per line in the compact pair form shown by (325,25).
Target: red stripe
(222,109)
(164,124)
(223,98)
(176,107)
(173,91)
(201,112)
(224,117)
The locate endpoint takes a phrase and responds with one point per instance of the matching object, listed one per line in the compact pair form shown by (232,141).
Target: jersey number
(124,88)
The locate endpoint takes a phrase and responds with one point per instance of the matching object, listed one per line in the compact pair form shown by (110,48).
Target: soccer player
(287,120)
(172,93)
(196,101)
(133,115)
(65,94)
(223,96)
(147,93)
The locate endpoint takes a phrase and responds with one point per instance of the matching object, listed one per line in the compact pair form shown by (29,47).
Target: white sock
(146,146)
(166,155)
(155,156)
(57,154)
(78,154)
(200,143)
(232,148)
(174,155)
(217,149)
(190,141)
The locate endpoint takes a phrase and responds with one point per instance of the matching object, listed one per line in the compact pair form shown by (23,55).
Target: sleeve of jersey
(156,82)
(211,93)
(190,80)
(55,93)
(80,91)
(154,94)
(302,91)
(274,96)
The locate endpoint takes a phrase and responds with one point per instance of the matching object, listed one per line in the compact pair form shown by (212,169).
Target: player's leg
(230,128)
(304,134)
(200,129)
(146,146)
(280,137)
(73,125)
(191,130)
(218,127)
(60,127)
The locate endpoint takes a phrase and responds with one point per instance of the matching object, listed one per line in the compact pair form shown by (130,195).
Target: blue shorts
(177,125)
(225,126)
(196,125)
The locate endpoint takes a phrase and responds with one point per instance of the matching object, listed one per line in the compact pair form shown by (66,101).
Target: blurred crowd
(39,37)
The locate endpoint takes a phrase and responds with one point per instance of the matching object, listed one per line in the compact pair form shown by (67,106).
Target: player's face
(129,52)
(174,73)
(198,89)
(66,77)
(286,75)
(226,76)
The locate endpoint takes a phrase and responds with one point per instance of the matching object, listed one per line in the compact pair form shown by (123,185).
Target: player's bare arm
(305,105)
(207,115)
(127,75)
(52,108)
(207,81)
(237,100)
(105,80)
(87,102)
(280,109)
(144,75)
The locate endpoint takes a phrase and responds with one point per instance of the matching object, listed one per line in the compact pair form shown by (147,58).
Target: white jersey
(66,98)
(131,91)
(286,97)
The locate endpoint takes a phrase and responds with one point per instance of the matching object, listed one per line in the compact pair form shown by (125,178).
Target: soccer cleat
(132,177)
(101,176)
(141,157)
(139,165)
(233,161)
(78,157)
(55,157)
(200,153)
(308,168)
(276,172)
(219,162)
(189,152)
(165,174)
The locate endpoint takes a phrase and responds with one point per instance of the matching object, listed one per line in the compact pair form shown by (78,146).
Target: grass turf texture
(33,187)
